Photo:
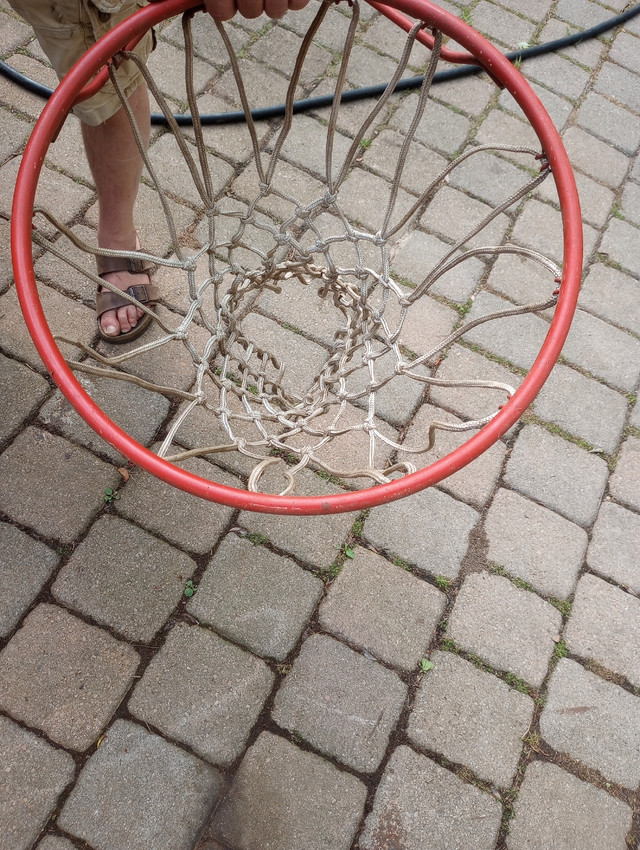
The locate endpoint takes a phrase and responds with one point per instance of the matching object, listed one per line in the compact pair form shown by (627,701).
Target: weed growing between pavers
(111,495)
(444,583)
(559,652)
(520,583)
(563,605)
(401,562)
(256,538)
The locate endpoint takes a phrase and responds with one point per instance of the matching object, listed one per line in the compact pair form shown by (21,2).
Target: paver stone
(186,521)
(593,721)
(614,551)
(534,543)
(32,777)
(625,481)
(137,411)
(64,677)
(605,626)
(284,799)
(21,391)
(474,483)
(55,842)
(25,565)
(382,609)
(51,485)
(429,529)
(421,806)
(203,692)
(64,315)
(321,537)
(557,473)
(575,404)
(556,809)
(512,629)
(255,597)
(138,790)
(611,295)
(342,703)
(134,593)
(607,352)
(471,718)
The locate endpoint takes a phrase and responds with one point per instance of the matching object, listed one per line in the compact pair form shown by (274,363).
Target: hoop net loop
(307,356)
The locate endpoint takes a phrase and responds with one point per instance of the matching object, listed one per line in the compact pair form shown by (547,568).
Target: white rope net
(292,323)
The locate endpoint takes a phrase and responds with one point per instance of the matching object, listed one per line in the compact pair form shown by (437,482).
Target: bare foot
(124,319)
(115,322)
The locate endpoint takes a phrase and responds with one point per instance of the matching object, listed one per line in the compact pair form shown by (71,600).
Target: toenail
(112,330)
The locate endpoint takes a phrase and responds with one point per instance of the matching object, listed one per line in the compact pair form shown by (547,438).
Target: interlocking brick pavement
(421,806)
(510,628)
(283,796)
(471,717)
(458,669)
(342,703)
(258,598)
(535,544)
(555,808)
(122,798)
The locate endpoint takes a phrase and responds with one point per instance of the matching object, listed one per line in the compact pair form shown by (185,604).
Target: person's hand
(224,10)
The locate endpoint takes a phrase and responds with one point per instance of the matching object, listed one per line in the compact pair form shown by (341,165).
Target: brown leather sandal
(145,293)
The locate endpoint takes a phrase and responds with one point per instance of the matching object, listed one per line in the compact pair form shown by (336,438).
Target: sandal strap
(133,265)
(145,293)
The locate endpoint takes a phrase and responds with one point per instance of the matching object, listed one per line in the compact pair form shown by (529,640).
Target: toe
(126,318)
(123,319)
(109,323)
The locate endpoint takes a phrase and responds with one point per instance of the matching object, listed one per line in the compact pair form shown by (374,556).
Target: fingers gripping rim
(45,131)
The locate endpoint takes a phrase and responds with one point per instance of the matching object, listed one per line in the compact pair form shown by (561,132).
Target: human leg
(116,167)
(65,30)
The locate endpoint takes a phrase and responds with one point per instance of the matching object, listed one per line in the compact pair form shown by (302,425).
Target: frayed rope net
(265,410)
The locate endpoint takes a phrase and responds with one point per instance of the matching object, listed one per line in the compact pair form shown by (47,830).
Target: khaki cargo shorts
(67,28)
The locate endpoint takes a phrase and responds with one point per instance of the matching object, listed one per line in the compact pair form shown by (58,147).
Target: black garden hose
(266,112)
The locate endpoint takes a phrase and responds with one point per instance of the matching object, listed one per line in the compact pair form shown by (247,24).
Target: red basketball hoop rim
(45,131)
